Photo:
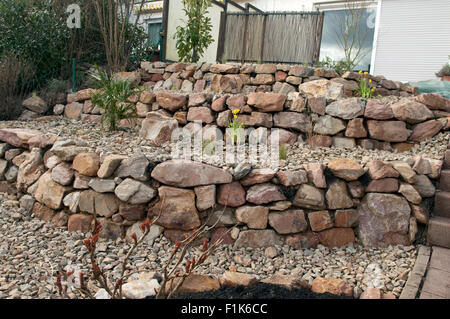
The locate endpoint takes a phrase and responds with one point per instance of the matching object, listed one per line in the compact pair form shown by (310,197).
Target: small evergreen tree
(195,37)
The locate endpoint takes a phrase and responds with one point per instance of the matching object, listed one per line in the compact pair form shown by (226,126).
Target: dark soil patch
(259,291)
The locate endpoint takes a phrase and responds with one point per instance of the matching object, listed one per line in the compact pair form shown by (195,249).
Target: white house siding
(413,39)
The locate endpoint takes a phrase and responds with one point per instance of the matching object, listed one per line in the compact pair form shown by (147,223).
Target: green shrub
(445,70)
(113,99)
(340,66)
(14,72)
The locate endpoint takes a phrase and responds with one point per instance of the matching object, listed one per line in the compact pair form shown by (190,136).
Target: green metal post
(74,75)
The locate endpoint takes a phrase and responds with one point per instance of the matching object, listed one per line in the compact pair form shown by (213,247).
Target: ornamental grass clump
(112,97)
(365,88)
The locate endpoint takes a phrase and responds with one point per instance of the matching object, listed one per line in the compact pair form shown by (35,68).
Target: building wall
(413,39)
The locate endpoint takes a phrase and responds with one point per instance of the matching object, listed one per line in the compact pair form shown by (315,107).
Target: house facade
(404,40)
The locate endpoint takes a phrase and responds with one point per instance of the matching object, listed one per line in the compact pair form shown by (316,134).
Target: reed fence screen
(288,37)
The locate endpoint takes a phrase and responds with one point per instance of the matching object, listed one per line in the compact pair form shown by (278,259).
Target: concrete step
(444,184)
(442,204)
(439,231)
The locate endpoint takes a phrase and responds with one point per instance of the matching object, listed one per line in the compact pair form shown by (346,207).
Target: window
(349,29)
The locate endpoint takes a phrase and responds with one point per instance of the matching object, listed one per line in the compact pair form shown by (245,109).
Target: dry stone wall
(64,182)
(313,105)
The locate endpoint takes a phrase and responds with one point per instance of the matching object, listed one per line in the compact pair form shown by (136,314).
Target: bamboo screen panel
(275,37)
(234,37)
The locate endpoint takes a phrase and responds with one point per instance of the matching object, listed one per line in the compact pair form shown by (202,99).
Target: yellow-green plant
(364,87)
(283,151)
(236,127)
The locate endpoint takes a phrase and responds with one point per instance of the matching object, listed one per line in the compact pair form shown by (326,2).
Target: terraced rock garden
(342,212)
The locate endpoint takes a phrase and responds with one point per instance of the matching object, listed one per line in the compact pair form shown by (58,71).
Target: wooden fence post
(318,38)
(261,55)
(244,41)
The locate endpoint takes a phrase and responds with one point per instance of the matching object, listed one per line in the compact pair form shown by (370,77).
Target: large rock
(310,197)
(79,222)
(63,174)
(171,101)
(264,193)
(288,222)
(177,207)
(73,110)
(410,193)
(355,128)
(258,176)
(233,279)
(86,164)
(184,173)
(411,112)
(322,88)
(425,130)
(292,120)
(384,185)
(133,78)
(389,131)
(257,239)
(140,289)
(337,237)
(383,219)
(18,137)
(424,186)
(346,169)
(231,195)
(292,178)
(434,101)
(158,128)
(346,109)
(155,232)
(29,170)
(346,218)
(307,239)
(333,286)
(316,174)
(328,125)
(101,204)
(379,169)
(405,171)
(205,197)
(254,216)
(224,68)
(200,113)
(49,192)
(36,104)
(134,192)
(135,167)
(109,165)
(337,196)
(267,102)
(377,110)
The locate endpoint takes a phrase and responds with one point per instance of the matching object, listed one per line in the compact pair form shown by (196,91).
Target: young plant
(364,86)
(236,136)
(195,37)
(113,97)
(174,272)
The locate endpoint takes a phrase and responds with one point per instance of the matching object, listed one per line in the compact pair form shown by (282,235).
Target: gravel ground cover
(128,142)
(31,253)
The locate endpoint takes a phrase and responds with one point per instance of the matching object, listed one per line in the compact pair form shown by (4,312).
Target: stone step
(444,184)
(442,204)
(439,231)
